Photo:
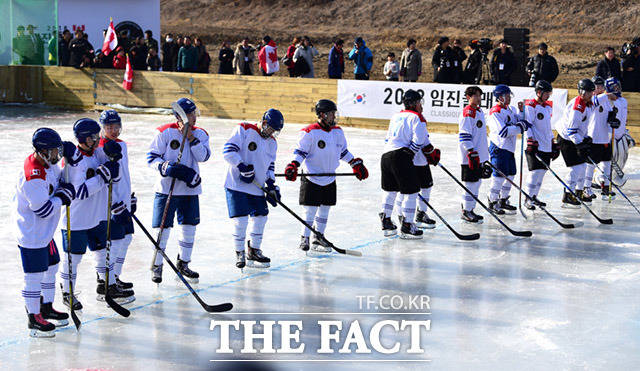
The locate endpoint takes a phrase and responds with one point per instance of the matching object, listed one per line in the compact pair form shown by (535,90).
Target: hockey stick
(318,235)
(522,192)
(521,166)
(464,237)
(611,182)
(185,121)
(209,308)
(603,221)
(322,174)
(613,138)
(513,232)
(74,316)
(124,312)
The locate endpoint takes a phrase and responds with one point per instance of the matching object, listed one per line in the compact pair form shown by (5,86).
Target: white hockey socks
(468,201)
(425,193)
(122,253)
(496,187)
(186,240)
(101,265)
(409,207)
(576,176)
(257,228)
(506,187)
(64,274)
(166,232)
(388,199)
(239,231)
(322,217)
(535,181)
(310,213)
(48,284)
(31,291)
(606,168)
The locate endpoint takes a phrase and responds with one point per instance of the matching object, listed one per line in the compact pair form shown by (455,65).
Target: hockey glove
(119,213)
(65,192)
(134,203)
(612,120)
(555,150)
(112,150)
(524,125)
(273,192)
(532,146)
(108,171)
(359,169)
(291,171)
(432,154)
(487,170)
(180,172)
(474,159)
(584,148)
(246,172)
(70,153)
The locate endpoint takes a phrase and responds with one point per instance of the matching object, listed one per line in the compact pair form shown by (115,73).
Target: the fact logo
(359,98)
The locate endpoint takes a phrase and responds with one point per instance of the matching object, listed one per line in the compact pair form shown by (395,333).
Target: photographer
(631,66)
(542,66)
(502,64)
(443,61)
(609,66)
(473,70)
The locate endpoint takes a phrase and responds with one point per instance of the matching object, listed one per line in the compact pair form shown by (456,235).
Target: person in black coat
(80,51)
(169,53)
(225,56)
(542,66)
(63,48)
(443,61)
(139,53)
(609,66)
(631,69)
(473,69)
(459,58)
(503,63)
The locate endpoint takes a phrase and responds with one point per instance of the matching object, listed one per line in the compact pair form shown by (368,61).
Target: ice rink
(562,299)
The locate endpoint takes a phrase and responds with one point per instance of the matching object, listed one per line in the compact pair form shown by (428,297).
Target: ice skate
(471,217)
(304,243)
(388,228)
(156,274)
(39,327)
(409,231)
(255,259)
(76,303)
(59,319)
(606,193)
(495,208)
(582,196)
(190,275)
(504,205)
(423,221)
(569,201)
(241,260)
(318,245)
(119,296)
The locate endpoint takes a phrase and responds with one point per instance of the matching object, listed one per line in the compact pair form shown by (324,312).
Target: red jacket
(290,52)
(120,62)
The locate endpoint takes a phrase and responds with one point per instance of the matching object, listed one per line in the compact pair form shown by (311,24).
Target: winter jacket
(609,68)
(262,57)
(443,64)
(151,43)
(153,63)
(363,60)
(411,64)
(459,59)
(169,56)
(63,52)
(336,63)
(631,79)
(502,66)
(545,67)
(307,53)
(187,59)
(473,70)
(120,62)
(139,60)
(225,56)
(243,59)
(78,50)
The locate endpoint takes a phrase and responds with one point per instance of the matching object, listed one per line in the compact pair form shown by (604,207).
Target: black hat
(542,46)
(443,40)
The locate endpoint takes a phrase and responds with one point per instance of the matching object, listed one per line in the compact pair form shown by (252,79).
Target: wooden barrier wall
(224,96)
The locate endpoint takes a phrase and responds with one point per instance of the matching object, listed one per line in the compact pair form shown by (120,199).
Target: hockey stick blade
(513,232)
(464,237)
(599,219)
(124,312)
(209,308)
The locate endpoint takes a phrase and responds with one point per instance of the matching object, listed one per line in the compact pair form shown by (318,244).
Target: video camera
(628,48)
(485,45)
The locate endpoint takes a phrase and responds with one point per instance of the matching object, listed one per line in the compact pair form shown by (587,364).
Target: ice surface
(561,299)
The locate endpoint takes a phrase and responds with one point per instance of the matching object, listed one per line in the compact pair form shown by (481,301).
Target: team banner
(442,102)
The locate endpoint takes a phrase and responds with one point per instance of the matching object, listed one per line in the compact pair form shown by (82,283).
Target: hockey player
(540,141)
(251,154)
(573,139)
(505,123)
(472,151)
(320,147)
(40,193)
(599,130)
(124,202)
(163,153)
(622,138)
(407,135)
(90,177)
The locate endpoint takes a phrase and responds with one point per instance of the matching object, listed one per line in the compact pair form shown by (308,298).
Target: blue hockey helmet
(187,105)
(45,140)
(501,90)
(273,119)
(612,85)
(86,128)
(110,117)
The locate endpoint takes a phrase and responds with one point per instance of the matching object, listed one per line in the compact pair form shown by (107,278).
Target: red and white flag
(110,40)
(127,83)
(268,58)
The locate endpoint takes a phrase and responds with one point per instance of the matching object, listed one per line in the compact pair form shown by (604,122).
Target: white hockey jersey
(90,206)
(166,147)
(621,105)
(36,210)
(598,129)
(539,115)
(575,120)
(247,146)
(406,130)
(472,134)
(321,151)
(503,130)
(121,188)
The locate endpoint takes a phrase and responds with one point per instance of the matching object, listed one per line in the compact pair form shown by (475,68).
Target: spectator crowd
(449,60)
